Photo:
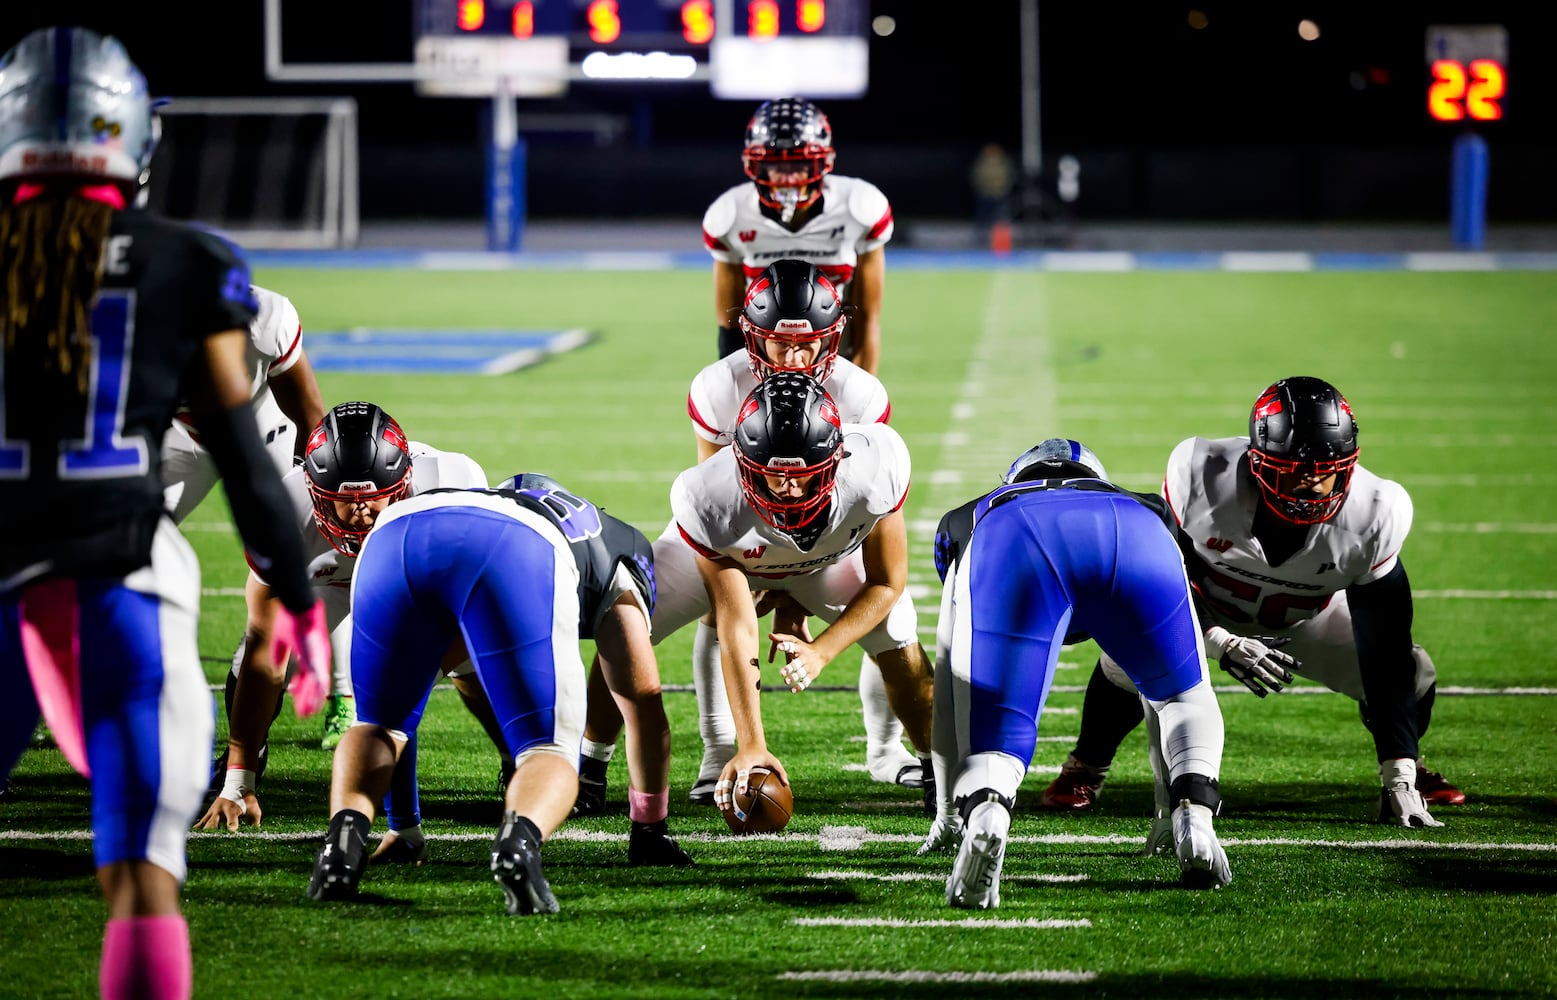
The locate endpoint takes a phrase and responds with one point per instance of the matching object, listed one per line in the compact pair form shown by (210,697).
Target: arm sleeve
(260,506)
(1381,624)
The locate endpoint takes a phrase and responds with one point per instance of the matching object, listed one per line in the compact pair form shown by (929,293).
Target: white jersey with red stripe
(331,570)
(1214,497)
(714,518)
(855,218)
(714,403)
(275,345)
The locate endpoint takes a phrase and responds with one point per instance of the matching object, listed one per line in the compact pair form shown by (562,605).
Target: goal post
(271,173)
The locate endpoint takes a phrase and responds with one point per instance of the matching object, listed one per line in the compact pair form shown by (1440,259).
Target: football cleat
(591,788)
(975,877)
(516,866)
(702,793)
(1435,788)
(338,867)
(650,845)
(892,765)
(340,714)
(1202,862)
(1076,788)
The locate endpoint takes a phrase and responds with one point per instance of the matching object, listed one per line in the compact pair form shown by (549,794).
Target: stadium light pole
(1032,148)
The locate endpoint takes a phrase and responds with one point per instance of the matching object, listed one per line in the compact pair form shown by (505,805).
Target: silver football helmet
(1061,458)
(72,103)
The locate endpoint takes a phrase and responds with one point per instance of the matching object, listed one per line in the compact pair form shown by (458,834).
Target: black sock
(520,826)
(590,769)
(1108,714)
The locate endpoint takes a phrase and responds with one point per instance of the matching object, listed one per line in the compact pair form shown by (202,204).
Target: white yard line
(926,976)
(967,923)
(851,876)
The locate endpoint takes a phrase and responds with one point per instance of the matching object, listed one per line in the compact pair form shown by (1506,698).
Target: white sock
(882,728)
(992,769)
(715,724)
(597,751)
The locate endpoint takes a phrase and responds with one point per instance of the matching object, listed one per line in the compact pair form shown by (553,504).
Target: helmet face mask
(72,104)
(789,434)
(357,456)
(1303,449)
(788,150)
(790,307)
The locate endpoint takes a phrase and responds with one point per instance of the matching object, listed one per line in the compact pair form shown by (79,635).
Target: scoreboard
(744,48)
(1469,67)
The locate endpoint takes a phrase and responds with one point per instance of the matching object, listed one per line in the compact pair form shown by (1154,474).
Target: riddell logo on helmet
(793,326)
(64,159)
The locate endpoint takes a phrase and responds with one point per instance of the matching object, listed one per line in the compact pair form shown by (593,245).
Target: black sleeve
(951,537)
(259,504)
(1381,624)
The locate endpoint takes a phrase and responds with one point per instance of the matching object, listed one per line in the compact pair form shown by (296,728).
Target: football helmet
(1055,458)
(792,302)
(73,104)
(788,134)
(788,427)
(1302,427)
(357,453)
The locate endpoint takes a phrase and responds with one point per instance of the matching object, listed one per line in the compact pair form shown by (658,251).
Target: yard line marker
(842,876)
(967,923)
(923,976)
(1493,528)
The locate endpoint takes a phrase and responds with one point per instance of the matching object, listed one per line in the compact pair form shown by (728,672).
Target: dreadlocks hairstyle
(51,252)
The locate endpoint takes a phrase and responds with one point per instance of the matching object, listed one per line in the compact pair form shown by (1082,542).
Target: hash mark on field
(967,923)
(933,877)
(923,976)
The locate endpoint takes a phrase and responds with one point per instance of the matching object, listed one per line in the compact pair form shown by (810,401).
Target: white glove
(1399,802)
(945,835)
(1254,661)
(1202,862)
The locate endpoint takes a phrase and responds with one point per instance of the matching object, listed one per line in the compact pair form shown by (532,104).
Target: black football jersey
(80,488)
(599,542)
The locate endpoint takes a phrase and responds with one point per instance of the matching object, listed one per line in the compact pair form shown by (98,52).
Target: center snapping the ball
(765,808)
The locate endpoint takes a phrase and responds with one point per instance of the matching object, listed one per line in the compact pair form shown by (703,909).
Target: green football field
(1451,376)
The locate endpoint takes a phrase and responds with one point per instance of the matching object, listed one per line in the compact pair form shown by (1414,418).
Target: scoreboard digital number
(1469,67)
(744,47)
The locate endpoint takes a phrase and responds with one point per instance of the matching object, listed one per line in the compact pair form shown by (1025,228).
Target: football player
(483,570)
(796,207)
(1091,561)
(785,509)
(357,461)
(1293,550)
(793,320)
(286,399)
(107,314)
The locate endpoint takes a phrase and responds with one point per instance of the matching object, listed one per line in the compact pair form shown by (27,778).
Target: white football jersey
(1214,497)
(331,570)
(855,218)
(275,339)
(719,390)
(715,520)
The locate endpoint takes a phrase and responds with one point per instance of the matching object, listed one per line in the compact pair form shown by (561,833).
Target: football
(765,808)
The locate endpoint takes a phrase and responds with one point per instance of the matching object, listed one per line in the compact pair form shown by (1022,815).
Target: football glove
(1399,801)
(308,635)
(1254,660)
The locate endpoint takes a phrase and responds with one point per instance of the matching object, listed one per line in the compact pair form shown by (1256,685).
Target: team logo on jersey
(755,553)
(1220,544)
(837,232)
(747,235)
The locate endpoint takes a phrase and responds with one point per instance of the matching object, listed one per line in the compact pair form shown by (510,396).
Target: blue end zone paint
(471,352)
(912,260)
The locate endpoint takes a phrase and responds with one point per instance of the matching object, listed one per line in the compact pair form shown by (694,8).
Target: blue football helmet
(1056,458)
(73,104)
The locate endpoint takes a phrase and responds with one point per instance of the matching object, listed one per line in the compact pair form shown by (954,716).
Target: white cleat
(1202,862)
(892,765)
(975,877)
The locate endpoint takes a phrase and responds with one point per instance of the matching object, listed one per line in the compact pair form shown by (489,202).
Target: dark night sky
(1114,73)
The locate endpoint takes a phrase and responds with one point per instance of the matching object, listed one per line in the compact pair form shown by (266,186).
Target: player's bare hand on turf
(736,776)
(803,663)
(228,814)
(392,848)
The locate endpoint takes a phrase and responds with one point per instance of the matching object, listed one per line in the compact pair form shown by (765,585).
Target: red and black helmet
(788,427)
(788,132)
(1302,427)
(792,302)
(356,453)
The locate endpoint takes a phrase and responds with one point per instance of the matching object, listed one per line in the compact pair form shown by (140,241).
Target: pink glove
(310,637)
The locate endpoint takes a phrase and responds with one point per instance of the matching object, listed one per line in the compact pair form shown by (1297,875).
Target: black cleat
(591,788)
(650,844)
(338,868)
(702,793)
(516,866)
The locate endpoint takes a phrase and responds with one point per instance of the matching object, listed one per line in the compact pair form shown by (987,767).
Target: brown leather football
(766,807)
